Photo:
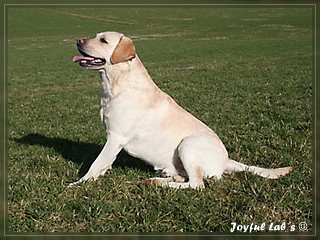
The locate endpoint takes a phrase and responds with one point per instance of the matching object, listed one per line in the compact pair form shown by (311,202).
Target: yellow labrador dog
(149,124)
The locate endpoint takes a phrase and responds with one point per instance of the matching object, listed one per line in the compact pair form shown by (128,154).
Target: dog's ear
(124,51)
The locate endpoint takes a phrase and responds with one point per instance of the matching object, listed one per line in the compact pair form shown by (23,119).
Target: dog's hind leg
(164,182)
(202,155)
(174,182)
(191,167)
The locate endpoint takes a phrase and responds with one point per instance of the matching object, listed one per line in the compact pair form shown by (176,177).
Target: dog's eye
(103,40)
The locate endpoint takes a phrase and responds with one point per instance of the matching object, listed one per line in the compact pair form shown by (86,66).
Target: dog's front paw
(81,180)
(74,184)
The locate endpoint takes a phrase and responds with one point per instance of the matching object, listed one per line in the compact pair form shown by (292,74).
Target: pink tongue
(79,58)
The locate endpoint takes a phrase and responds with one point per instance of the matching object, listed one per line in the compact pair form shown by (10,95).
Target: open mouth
(88,61)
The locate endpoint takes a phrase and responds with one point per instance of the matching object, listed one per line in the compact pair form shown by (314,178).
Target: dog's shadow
(81,153)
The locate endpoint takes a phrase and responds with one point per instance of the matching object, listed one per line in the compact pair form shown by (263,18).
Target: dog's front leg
(103,162)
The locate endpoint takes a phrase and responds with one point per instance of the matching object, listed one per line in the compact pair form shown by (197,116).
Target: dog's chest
(105,100)
(104,112)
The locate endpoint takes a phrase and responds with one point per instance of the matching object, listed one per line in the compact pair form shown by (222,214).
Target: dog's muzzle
(88,61)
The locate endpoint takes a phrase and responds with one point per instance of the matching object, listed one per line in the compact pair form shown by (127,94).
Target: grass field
(245,72)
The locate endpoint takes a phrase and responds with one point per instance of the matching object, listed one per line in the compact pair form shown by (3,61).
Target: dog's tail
(234,166)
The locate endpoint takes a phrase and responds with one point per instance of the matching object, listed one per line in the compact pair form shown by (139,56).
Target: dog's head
(106,48)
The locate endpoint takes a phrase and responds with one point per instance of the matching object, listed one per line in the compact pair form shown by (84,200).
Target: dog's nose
(81,41)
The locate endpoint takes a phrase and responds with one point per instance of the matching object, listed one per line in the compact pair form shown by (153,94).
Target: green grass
(245,72)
